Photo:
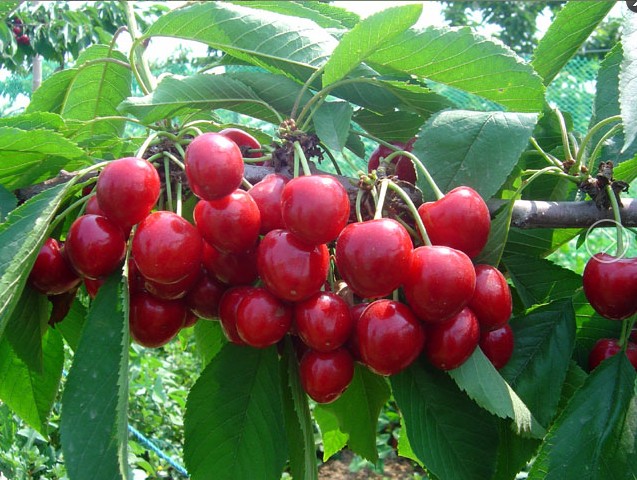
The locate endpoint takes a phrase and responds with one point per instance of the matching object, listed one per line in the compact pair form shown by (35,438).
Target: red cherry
(607,347)
(231,223)
(204,297)
(451,343)
(610,285)
(262,319)
(290,268)
(228,305)
(52,273)
(244,141)
(352,343)
(191,320)
(439,283)
(17,31)
(267,195)
(127,190)
(172,291)
(459,220)
(214,166)
(323,321)
(93,207)
(166,247)
(491,301)
(373,256)
(497,345)
(315,208)
(400,166)
(153,321)
(326,375)
(23,40)
(633,335)
(230,268)
(390,337)
(95,246)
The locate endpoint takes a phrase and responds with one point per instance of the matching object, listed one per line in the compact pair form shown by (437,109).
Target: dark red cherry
(267,195)
(262,318)
(610,285)
(400,166)
(491,301)
(607,347)
(244,141)
(172,291)
(450,343)
(230,268)
(326,375)
(323,321)
(52,273)
(228,305)
(204,297)
(497,345)
(153,321)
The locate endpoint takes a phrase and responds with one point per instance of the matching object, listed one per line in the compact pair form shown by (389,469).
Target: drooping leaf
(28,393)
(366,37)
(358,409)
(331,122)
(628,81)
(34,121)
(209,339)
(94,403)
(477,149)
(568,31)
(595,437)
(543,343)
(20,239)
(464,60)
(450,434)
(236,415)
(334,440)
(323,14)
(8,202)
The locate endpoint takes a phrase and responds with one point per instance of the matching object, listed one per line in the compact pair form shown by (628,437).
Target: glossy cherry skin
(323,321)
(244,141)
(289,268)
(93,207)
(491,301)
(262,318)
(204,297)
(315,208)
(230,268)
(352,343)
(607,347)
(390,337)
(155,322)
(95,246)
(451,343)
(267,195)
(326,375)
(373,256)
(610,285)
(166,247)
(228,305)
(172,291)
(214,166)
(127,190)
(497,345)
(400,166)
(52,273)
(439,283)
(93,286)
(231,223)
(459,220)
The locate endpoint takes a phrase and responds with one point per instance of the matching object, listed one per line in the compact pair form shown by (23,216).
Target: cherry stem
(381,199)
(581,154)
(180,149)
(412,209)
(305,88)
(304,165)
(359,198)
(142,149)
(547,156)
(618,220)
(179,202)
(265,158)
(187,129)
(169,190)
(420,167)
(175,160)
(596,151)
(245,183)
(565,141)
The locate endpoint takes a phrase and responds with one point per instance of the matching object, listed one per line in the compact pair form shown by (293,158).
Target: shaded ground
(341,466)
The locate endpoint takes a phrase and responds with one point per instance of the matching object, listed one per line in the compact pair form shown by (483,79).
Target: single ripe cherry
(262,319)
(390,337)
(204,297)
(153,321)
(610,285)
(172,291)
(323,321)
(326,375)
(93,207)
(52,273)
(95,246)
(127,190)
(439,283)
(267,195)
(166,247)
(244,141)
(491,301)
(459,220)
(214,166)
(228,305)
(373,256)
(315,208)
(451,343)
(607,347)
(230,268)
(497,345)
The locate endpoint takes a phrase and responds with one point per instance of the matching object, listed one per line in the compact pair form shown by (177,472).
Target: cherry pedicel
(326,375)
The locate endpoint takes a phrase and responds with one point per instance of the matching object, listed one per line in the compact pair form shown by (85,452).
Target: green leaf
(404,447)
(94,408)
(357,410)
(34,121)
(7,7)
(544,340)
(537,242)
(331,122)
(73,324)
(290,46)
(323,14)
(628,81)
(595,437)
(50,96)
(28,393)
(8,202)
(569,30)
(469,63)
(366,37)
(209,339)
(234,410)
(20,239)
(575,378)
(514,452)
(482,382)
(393,126)
(477,149)
(334,440)
(492,252)
(450,434)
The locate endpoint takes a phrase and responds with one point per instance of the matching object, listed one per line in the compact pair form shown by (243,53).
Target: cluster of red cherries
(275,260)
(18,32)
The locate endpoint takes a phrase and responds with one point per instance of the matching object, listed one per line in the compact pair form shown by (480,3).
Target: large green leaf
(514,452)
(290,46)
(73,324)
(28,393)
(50,96)
(332,122)
(491,254)
(595,437)
(321,13)
(210,339)
(366,37)
(544,340)
(33,121)
(464,60)
(8,202)
(357,411)
(20,239)
(234,420)
(393,126)
(537,242)
(566,34)
(478,149)
(94,404)
(450,434)
(628,81)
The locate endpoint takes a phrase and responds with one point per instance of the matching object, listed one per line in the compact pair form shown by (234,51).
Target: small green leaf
(492,252)
(628,81)
(366,37)
(334,440)
(332,121)
(209,339)
(234,410)
(94,409)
